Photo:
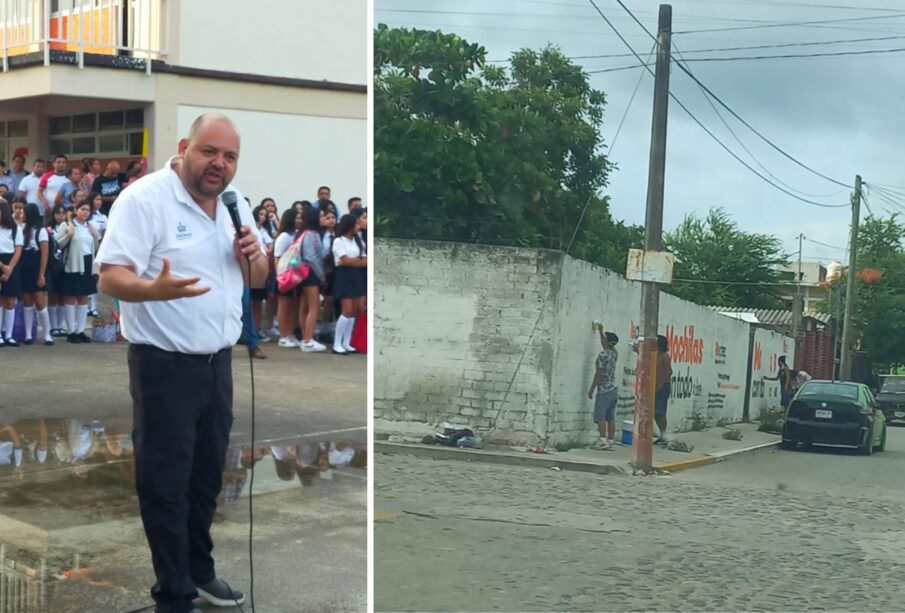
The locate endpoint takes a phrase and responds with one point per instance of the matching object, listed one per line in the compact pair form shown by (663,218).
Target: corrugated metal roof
(772,317)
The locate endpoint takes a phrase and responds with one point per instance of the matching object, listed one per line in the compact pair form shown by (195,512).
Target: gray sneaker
(220,594)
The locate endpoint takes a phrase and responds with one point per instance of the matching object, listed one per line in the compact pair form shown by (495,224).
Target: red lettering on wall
(685,348)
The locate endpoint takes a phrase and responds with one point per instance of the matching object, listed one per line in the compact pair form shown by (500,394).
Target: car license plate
(900,413)
(823,414)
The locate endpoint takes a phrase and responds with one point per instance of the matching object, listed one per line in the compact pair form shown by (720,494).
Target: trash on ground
(732,435)
(680,446)
(455,437)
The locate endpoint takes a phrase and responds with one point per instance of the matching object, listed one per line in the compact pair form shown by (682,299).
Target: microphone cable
(251,481)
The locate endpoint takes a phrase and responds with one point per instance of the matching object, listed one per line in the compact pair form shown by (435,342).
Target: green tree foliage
(879,315)
(467,151)
(715,249)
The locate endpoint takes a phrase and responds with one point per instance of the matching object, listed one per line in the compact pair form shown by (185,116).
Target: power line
(748,151)
(697,121)
(610,151)
(811,240)
(786,3)
(797,55)
(732,112)
(792,23)
(743,48)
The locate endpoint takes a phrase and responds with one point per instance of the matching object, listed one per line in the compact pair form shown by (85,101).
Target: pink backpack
(292,269)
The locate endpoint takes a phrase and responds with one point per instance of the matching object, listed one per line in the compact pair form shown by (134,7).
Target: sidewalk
(709,446)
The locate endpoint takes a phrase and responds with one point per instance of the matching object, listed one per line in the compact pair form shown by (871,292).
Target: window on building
(17,128)
(107,134)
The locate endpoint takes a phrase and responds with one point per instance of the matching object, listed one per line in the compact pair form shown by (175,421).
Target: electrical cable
(707,130)
(251,481)
(610,151)
(742,48)
(811,240)
(797,55)
(731,111)
(748,151)
(785,24)
(891,199)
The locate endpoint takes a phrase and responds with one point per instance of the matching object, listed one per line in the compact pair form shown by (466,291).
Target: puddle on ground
(66,484)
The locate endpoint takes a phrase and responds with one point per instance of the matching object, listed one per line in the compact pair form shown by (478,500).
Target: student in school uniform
(78,282)
(99,221)
(11,242)
(349,257)
(55,273)
(288,302)
(312,255)
(268,290)
(34,278)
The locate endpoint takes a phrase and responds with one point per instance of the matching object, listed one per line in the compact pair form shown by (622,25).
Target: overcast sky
(840,115)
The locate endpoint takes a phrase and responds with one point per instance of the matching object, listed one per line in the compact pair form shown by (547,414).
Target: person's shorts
(661,402)
(605,406)
(785,399)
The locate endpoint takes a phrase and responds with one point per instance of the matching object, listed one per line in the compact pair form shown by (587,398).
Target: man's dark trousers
(182,410)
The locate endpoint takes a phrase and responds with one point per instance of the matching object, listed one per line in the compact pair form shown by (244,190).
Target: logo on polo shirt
(182,232)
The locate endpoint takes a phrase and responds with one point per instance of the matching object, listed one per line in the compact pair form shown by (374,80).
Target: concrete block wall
(456,324)
(452,322)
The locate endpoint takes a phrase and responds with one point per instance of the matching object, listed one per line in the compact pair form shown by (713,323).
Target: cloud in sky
(840,115)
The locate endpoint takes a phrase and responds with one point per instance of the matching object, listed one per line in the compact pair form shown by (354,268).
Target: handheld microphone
(230,200)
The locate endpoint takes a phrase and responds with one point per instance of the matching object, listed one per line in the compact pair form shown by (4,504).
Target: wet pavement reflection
(67,496)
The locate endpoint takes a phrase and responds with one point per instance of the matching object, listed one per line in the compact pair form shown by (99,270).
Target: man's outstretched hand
(167,287)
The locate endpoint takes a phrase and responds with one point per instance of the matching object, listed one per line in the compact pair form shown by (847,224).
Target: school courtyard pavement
(70,536)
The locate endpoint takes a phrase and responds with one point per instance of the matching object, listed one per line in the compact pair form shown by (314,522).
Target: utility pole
(845,367)
(797,306)
(642,446)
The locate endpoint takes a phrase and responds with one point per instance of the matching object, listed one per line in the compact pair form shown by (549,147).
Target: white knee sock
(339,333)
(92,299)
(83,317)
(44,318)
(347,335)
(69,309)
(9,320)
(52,315)
(29,321)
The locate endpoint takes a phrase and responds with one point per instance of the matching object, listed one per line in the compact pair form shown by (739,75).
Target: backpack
(292,269)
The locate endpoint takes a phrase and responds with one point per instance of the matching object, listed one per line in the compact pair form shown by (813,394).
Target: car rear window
(822,388)
(893,385)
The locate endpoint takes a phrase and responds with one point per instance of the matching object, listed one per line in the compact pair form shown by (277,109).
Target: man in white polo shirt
(171,256)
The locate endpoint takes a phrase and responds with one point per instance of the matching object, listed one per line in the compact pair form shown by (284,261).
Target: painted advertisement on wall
(709,353)
(768,348)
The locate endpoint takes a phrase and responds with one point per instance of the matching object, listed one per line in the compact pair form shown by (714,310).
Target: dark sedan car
(891,398)
(835,413)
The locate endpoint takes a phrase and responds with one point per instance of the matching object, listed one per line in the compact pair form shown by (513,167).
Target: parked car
(835,413)
(891,397)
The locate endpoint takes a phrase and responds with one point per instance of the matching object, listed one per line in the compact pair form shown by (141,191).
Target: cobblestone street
(776,530)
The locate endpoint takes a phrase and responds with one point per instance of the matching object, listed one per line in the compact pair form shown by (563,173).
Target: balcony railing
(134,28)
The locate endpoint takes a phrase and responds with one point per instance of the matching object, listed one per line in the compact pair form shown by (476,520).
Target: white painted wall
(287,157)
(452,322)
(768,347)
(284,38)
(709,353)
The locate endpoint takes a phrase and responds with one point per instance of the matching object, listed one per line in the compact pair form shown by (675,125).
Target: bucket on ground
(628,427)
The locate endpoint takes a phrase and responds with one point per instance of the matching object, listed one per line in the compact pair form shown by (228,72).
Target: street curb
(512,459)
(711,458)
